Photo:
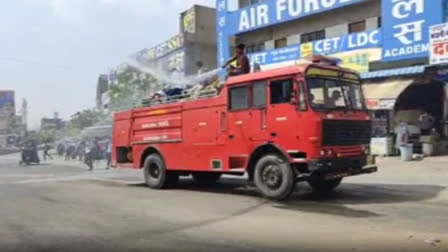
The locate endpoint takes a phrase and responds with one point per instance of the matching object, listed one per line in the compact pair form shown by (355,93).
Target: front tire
(320,185)
(156,175)
(274,177)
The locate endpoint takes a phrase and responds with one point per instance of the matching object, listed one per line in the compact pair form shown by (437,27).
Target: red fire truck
(305,122)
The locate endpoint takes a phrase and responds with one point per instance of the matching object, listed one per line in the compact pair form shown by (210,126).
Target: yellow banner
(358,60)
(306,49)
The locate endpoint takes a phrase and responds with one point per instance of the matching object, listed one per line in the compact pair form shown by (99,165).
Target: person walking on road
(108,154)
(46,152)
(88,155)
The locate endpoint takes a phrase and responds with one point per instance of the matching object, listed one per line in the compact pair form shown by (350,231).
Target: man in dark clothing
(239,64)
(46,152)
(427,122)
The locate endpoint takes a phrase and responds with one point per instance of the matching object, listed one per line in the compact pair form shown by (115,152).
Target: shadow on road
(349,193)
(334,203)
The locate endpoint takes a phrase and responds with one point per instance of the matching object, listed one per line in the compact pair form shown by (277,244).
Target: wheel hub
(154,171)
(272,176)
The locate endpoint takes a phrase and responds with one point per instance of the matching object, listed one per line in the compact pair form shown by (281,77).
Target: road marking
(27,176)
(121,181)
(88,176)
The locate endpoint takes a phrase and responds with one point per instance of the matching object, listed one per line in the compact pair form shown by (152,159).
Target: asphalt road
(60,206)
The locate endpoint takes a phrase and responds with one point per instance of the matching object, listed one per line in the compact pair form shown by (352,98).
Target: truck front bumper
(345,167)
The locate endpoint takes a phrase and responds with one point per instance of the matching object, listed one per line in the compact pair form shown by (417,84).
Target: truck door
(258,113)
(282,111)
(246,120)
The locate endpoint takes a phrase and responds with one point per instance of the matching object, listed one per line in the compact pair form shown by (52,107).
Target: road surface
(60,206)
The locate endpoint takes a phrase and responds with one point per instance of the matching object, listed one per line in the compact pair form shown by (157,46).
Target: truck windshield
(333,94)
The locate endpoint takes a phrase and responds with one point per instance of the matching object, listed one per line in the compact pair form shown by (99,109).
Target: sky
(52,51)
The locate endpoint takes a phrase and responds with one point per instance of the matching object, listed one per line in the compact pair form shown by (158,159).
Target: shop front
(414,96)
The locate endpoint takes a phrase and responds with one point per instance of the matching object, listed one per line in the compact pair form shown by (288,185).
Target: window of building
(312,36)
(239,98)
(357,27)
(256,47)
(259,94)
(280,43)
(281,91)
(245,3)
(250,48)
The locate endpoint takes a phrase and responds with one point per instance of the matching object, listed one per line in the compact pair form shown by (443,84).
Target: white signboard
(438,44)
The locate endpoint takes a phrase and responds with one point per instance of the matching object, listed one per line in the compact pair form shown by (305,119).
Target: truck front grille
(343,133)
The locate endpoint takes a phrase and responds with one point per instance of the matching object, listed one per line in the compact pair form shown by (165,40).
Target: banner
(275,56)
(405,27)
(189,21)
(346,43)
(359,60)
(371,38)
(222,36)
(163,49)
(438,44)
(272,12)
(7,104)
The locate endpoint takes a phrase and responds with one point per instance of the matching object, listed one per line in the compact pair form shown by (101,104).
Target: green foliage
(47,136)
(84,119)
(132,86)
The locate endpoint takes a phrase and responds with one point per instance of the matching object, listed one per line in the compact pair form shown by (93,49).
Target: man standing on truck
(239,64)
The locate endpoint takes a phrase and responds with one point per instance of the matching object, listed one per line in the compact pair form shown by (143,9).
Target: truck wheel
(156,175)
(206,178)
(320,185)
(274,177)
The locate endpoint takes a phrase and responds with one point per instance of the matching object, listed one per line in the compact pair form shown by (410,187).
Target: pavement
(61,206)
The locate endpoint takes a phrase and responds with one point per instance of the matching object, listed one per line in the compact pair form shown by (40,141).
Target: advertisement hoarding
(355,46)
(438,44)
(406,26)
(7,105)
(268,13)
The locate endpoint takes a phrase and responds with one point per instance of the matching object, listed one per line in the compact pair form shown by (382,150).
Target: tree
(47,136)
(84,119)
(133,85)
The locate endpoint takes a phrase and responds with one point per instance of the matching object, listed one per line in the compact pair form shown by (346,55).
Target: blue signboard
(406,27)
(445,11)
(276,55)
(222,35)
(404,33)
(6,101)
(367,39)
(272,12)
(348,42)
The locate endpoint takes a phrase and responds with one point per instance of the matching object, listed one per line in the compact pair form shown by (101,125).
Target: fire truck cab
(305,122)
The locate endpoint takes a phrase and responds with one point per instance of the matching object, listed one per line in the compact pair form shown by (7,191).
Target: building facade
(176,57)
(195,43)
(387,41)
(54,123)
(7,110)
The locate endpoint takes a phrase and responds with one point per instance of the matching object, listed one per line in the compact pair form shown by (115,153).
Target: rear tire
(206,178)
(156,175)
(274,177)
(320,185)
